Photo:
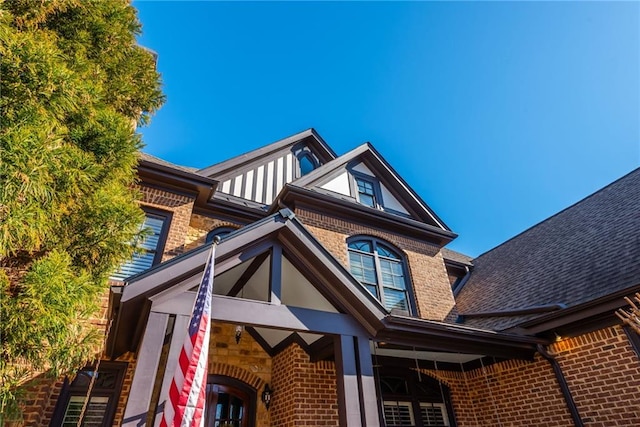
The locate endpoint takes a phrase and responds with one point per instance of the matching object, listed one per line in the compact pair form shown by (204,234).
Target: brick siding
(429,278)
(304,392)
(601,369)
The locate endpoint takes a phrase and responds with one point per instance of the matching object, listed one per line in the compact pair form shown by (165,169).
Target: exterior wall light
(266,396)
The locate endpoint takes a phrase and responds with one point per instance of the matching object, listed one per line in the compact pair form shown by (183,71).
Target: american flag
(185,405)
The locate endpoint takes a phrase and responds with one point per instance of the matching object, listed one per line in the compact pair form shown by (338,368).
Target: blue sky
(499,114)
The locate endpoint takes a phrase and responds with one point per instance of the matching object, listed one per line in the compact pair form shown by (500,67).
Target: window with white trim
(382,271)
(367,192)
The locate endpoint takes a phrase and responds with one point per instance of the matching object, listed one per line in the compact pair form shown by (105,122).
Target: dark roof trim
(369,152)
(576,314)
(292,194)
(165,175)
(515,312)
(220,168)
(449,337)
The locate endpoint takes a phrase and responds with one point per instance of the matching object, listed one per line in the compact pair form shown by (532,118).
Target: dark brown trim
(564,386)
(240,386)
(176,180)
(514,312)
(293,195)
(308,137)
(577,314)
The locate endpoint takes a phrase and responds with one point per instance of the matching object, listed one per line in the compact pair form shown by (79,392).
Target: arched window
(218,232)
(381,270)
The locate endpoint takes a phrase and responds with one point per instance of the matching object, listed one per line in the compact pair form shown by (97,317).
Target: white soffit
(309,338)
(297,291)
(273,337)
(425,355)
(390,201)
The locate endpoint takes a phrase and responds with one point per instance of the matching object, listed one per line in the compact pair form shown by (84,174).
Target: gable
(274,264)
(384,190)
(259,175)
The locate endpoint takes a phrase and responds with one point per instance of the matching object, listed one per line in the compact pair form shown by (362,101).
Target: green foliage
(74,84)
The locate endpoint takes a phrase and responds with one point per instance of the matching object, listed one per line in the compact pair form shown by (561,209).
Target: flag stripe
(185,406)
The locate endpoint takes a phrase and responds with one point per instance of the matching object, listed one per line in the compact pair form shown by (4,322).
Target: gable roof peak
(323,149)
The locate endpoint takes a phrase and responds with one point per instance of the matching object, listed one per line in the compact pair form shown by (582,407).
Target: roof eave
(292,194)
(201,187)
(451,338)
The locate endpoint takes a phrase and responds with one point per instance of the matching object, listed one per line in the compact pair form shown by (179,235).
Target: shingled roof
(584,252)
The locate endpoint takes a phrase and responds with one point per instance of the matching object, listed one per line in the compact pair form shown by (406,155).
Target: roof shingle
(584,252)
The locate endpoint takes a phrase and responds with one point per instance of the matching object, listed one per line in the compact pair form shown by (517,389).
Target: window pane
(367,200)
(306,164)
(93,415)
(366,194)
(373,290)
(361,246)
(433,415)
(392,275)
(398,414)
(148,248)
(394,299)
(386,252)
(362,267)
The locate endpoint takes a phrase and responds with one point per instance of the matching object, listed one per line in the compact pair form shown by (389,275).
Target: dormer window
(366,192)
(307,163)
(382,271)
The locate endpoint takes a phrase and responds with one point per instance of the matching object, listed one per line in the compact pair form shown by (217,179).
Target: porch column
(368,396)
(357,402)
(146,367)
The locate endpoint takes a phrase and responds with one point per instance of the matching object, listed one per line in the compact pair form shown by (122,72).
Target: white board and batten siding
(263,183)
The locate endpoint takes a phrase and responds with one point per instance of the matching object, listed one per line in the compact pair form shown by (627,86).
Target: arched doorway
(230,403)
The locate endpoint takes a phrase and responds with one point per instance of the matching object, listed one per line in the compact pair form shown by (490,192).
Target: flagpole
(185,405)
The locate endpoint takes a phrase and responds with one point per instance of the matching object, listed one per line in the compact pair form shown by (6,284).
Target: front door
(229,403)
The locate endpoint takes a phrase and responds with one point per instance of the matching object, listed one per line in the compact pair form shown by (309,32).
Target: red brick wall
(426,266)
(603,373)
(304,392)
(601,369)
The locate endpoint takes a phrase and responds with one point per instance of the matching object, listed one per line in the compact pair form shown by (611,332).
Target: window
(150,249)
(366,192)
(218,232)
(307,163)
(381,270)
(102,402)
(409,400)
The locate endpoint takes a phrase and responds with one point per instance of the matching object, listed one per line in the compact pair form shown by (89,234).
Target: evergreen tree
(73,86)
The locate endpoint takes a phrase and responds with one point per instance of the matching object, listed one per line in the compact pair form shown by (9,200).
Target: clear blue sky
(498,114)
